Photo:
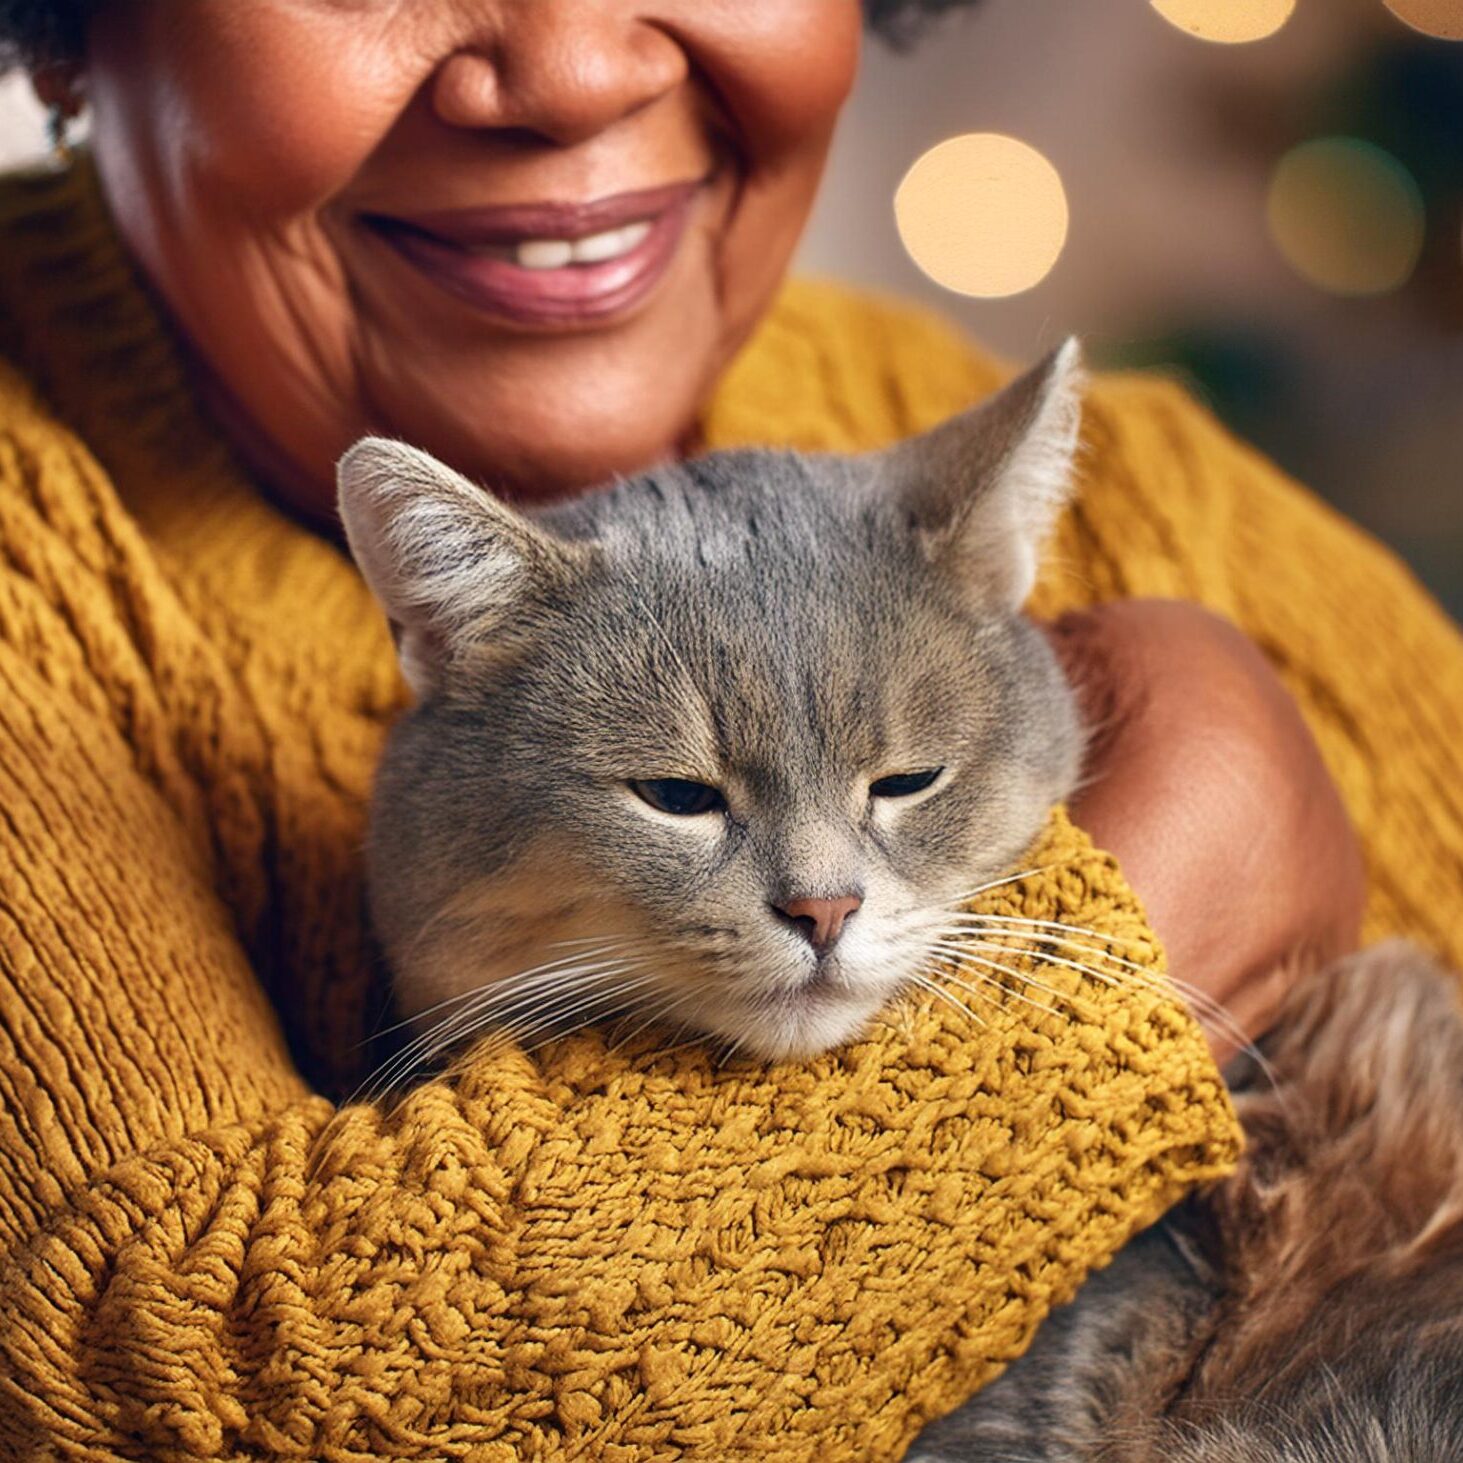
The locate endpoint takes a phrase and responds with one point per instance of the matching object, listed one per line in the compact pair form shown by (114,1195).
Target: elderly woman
(546,240)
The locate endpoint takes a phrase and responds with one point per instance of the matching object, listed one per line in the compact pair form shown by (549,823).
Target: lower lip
(574,295)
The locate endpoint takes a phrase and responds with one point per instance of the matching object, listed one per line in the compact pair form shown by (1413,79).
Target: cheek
(782,68)
(265,109)
(943,846)
(687,885)
(780,71)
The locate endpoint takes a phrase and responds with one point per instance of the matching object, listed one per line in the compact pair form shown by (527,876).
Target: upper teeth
(595,249)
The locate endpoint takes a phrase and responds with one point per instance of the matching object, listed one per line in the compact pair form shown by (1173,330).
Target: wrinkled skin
(241,148)
(244,148)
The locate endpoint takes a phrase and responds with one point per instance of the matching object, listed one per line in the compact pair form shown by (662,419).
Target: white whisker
(681,1046)
(1051,924)
(568,1022)
(926,984)
(1001,883)
(962,951)
(1156,985)
(1000,927)
(476,991)
(969,939)
(489,1003)
(501,1001)
(1001,986)
(1209,1011)
(654,1019)
(728,1054)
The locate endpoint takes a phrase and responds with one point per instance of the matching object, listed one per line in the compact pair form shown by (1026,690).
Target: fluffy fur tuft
(1311,1308)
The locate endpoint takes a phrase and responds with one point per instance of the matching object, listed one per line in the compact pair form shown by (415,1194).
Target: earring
(60,88)
(58,130)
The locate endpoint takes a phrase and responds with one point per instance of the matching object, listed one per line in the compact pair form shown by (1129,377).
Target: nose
(821,921)
(558,70)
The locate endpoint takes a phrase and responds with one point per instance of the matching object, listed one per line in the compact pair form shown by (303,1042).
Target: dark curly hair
(35,32)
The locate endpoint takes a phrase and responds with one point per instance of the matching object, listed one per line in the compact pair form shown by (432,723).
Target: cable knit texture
(574,1254)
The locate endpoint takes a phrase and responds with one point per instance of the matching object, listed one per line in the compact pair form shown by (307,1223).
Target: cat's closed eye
(680,796)
(904,784)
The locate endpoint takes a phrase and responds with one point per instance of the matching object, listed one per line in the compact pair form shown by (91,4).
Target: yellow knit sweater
(576,1254)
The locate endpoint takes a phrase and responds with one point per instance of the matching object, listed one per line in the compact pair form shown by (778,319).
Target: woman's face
(524,234)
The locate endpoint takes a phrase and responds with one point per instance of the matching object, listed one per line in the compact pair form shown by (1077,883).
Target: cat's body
(1310,1309)
(827,652)
(725,745)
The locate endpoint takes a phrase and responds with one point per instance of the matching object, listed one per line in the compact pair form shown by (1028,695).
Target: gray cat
(1310,1309)
(725,743)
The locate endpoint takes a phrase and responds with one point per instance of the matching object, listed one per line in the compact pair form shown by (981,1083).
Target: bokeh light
(1347,216)
(983,215)
(1441,18)
(1230,22)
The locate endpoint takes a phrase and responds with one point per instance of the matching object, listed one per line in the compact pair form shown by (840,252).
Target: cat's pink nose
(820,920)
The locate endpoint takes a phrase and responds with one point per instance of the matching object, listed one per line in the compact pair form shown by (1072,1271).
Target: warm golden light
(1441,18)
(983,215)
(1347,216)
(1230,22)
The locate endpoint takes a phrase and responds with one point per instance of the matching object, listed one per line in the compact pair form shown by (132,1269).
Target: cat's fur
(790,628)
(1309,1310)
(785,627)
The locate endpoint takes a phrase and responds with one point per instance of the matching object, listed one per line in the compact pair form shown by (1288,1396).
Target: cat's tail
(1354,1168)
(1310,1306)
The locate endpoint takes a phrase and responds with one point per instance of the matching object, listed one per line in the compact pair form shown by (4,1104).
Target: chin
(543,418)
(535,455)
(807,1024)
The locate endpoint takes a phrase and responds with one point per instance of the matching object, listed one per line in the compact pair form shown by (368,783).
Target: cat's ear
(456,570)
(984,489)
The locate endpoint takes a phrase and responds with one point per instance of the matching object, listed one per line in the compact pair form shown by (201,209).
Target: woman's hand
(1206,784)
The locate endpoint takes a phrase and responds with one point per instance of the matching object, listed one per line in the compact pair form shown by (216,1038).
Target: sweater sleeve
(578,1253)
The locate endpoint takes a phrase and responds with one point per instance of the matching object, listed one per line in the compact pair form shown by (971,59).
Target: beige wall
(21,125)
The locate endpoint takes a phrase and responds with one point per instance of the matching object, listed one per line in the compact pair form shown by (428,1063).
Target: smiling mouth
(548,264)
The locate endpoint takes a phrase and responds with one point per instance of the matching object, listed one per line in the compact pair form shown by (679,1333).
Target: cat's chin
(805,1024)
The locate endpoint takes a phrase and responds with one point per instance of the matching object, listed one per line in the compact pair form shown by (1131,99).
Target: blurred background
(1265,196)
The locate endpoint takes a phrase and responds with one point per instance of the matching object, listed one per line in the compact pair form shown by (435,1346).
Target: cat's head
(725,741)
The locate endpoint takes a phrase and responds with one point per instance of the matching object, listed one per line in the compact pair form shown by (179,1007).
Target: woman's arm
(198,1259)
(1205,783)
(577,1254)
